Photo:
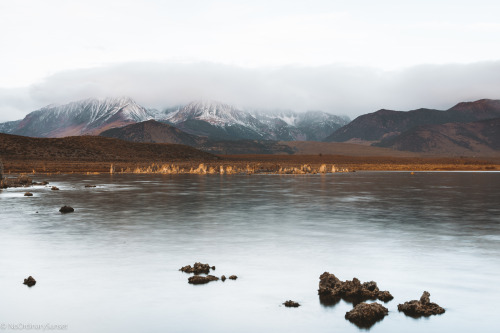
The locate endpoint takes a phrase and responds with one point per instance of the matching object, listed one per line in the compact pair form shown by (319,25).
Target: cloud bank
(336,89)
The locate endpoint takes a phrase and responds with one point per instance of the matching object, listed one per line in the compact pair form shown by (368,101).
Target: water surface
(113,264)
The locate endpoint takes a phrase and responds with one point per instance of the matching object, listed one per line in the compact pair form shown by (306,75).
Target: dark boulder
(198,279)
(331,290)
(54,188)
(291,304)
(88,185)
(29,281)
(232,277)
(223,278)
(364,315)
(198,268)
(422,307)
(66,209)
(28,194)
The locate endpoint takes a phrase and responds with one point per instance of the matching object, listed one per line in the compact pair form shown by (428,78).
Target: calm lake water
(112,266)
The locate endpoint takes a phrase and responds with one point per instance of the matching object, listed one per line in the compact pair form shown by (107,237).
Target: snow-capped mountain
(306,126)
(212,112)
(202,118)
(86,117)
(216,120)
(219,120)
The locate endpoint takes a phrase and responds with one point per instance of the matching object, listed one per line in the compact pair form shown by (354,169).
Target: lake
(113,264)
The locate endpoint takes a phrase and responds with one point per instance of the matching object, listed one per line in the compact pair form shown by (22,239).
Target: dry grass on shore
(257,163)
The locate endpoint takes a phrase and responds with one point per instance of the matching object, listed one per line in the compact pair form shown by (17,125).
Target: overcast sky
(345,57)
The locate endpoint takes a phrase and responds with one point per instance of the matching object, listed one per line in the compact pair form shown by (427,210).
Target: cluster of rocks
(20,181)
(423,307)
(231,277)
(25,181)
(199,268)
(364,315)
(331,290)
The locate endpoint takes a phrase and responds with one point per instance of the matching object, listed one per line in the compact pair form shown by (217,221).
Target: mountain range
(210,119)
(468,128)
(152,131)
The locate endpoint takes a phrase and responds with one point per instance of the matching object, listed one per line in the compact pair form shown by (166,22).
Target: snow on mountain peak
(213,112)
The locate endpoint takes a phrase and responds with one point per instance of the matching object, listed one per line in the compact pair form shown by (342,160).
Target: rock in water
(291,304)
(364,315)
(331,290)
(420,308)
(66,209)
(197,279)
(223,278)
(198,268)
(54,188)
(232,277)
(28,194)
(30,281)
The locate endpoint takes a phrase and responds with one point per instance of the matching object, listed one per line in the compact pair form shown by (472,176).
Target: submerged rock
(331,290)
(291,304)
(88,185)
(198,268)
(54,188)
(66,209)
(29,281)
(198,279)
(364,315)
(28,194)
(420,308)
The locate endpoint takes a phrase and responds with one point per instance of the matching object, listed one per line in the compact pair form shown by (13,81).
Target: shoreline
(253,164)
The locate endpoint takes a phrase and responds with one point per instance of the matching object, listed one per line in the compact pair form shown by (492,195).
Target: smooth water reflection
(113,264)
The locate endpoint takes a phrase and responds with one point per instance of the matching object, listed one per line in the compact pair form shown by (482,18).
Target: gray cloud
(336,89)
